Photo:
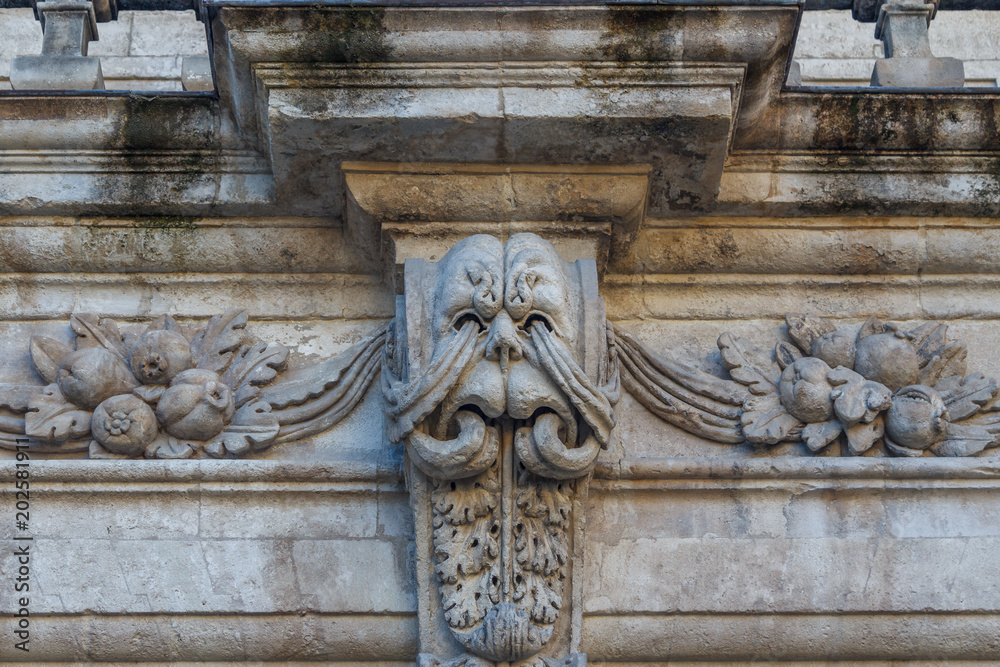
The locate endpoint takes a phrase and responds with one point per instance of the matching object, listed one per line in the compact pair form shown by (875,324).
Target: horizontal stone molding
(332,639)
(119,161)
(706,472)
(742,296)
(316,296)
(713,471)
(796,637)
(169,244)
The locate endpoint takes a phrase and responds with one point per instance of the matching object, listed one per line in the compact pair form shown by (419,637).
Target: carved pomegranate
(160,356)
(887,358)
(124,425)
(196,406)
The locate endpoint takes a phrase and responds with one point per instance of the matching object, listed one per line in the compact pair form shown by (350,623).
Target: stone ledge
(148,473)
(832,637)
(332,639)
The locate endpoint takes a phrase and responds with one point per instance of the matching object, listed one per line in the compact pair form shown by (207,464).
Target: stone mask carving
(498,380)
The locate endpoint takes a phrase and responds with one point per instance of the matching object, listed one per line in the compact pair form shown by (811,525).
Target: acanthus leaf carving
(51,418)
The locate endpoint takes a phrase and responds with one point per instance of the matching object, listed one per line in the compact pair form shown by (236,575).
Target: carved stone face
(499,352)
(504,291)
(497,330)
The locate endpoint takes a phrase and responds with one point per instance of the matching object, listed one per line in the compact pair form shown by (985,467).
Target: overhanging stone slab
(665,86)
(677,119)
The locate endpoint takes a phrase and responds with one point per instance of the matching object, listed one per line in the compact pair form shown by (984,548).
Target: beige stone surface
(679,549)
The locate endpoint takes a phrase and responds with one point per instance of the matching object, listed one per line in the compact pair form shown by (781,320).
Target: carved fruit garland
(169,392)
(908,389)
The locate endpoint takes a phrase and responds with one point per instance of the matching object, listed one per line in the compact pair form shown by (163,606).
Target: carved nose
(503,343)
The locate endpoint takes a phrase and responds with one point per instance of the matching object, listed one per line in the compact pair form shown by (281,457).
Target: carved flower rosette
(908,389)
(169,391)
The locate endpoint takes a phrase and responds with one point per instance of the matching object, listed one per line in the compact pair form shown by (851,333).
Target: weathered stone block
(56,72)
(918,73)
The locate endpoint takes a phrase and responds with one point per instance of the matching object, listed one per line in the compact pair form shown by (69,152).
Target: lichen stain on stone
(149,123)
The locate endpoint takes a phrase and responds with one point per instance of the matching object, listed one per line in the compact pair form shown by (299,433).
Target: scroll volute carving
(498,380)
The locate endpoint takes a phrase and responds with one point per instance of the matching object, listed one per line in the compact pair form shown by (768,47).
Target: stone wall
(408,387)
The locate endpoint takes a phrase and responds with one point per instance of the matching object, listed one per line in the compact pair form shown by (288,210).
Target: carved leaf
(467,606)
(872,326)
(547,601)
(766,422)
(46,355)
(214,347)
(965,440)
(464,550)
(253,429)
(51,418)
(899,450)
(552,502)
(964,398)
(466,530)
(539,547)
(819,435)
(168,447)
(929,339)
(862,437)
(737,357)
(94,332)
(465,500)
(803,329)
(255,365)
(949,362)
(786,354)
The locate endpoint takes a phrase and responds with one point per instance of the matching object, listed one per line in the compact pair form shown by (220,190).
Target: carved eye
(467,316)
(540,318)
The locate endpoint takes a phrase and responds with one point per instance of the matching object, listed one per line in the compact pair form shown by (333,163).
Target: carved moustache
(542,446)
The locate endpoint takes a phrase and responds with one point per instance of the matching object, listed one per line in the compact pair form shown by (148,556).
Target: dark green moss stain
(632,33)
(150,123)
(181,223)
(350,35)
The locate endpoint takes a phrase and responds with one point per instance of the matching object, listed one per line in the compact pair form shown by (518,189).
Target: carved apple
(196,406)
(836,348)
(888,358)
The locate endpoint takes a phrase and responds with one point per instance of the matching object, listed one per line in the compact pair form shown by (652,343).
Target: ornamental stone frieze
(499,377)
